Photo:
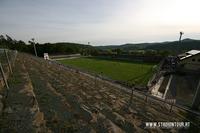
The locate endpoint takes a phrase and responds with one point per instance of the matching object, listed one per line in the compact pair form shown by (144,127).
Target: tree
(9,39)
(117,51)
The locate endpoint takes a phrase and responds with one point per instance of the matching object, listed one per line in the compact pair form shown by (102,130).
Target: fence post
(3,75)
(172,104)
(131,98)
(146,97)
(171,108)
(8,61)
(95,81)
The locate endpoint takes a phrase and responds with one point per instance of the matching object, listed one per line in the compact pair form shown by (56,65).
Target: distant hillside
(125,47)
(73,48)
(185,44)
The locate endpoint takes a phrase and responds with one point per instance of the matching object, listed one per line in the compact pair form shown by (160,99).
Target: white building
(46,56)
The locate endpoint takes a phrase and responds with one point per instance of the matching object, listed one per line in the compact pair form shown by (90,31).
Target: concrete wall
(183,88)
(191,63)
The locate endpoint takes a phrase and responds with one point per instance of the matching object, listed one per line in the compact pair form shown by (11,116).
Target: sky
(100,22)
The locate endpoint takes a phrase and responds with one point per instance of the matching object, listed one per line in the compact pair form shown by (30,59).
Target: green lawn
(132,72)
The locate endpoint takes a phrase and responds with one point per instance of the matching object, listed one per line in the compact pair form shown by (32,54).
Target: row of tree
(74,48)
(118,51)
(55,48)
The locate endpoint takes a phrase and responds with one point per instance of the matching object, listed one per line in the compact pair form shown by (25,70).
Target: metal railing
(141,94)
(7,61)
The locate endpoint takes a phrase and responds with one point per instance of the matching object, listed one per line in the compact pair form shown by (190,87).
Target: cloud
(99,21)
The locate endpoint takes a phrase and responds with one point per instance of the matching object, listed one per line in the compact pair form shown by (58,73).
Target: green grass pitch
(132,72)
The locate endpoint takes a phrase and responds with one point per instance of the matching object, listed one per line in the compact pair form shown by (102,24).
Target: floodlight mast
(181,34)
(33,40)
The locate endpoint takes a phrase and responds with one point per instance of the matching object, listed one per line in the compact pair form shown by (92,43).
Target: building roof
(189,54)
(193,52)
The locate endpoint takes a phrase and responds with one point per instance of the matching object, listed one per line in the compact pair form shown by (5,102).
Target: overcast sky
(101,22)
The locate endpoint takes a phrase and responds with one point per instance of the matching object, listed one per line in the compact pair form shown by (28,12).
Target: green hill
(186,44)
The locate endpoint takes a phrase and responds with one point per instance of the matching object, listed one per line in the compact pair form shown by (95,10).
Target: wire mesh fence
(7,58)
